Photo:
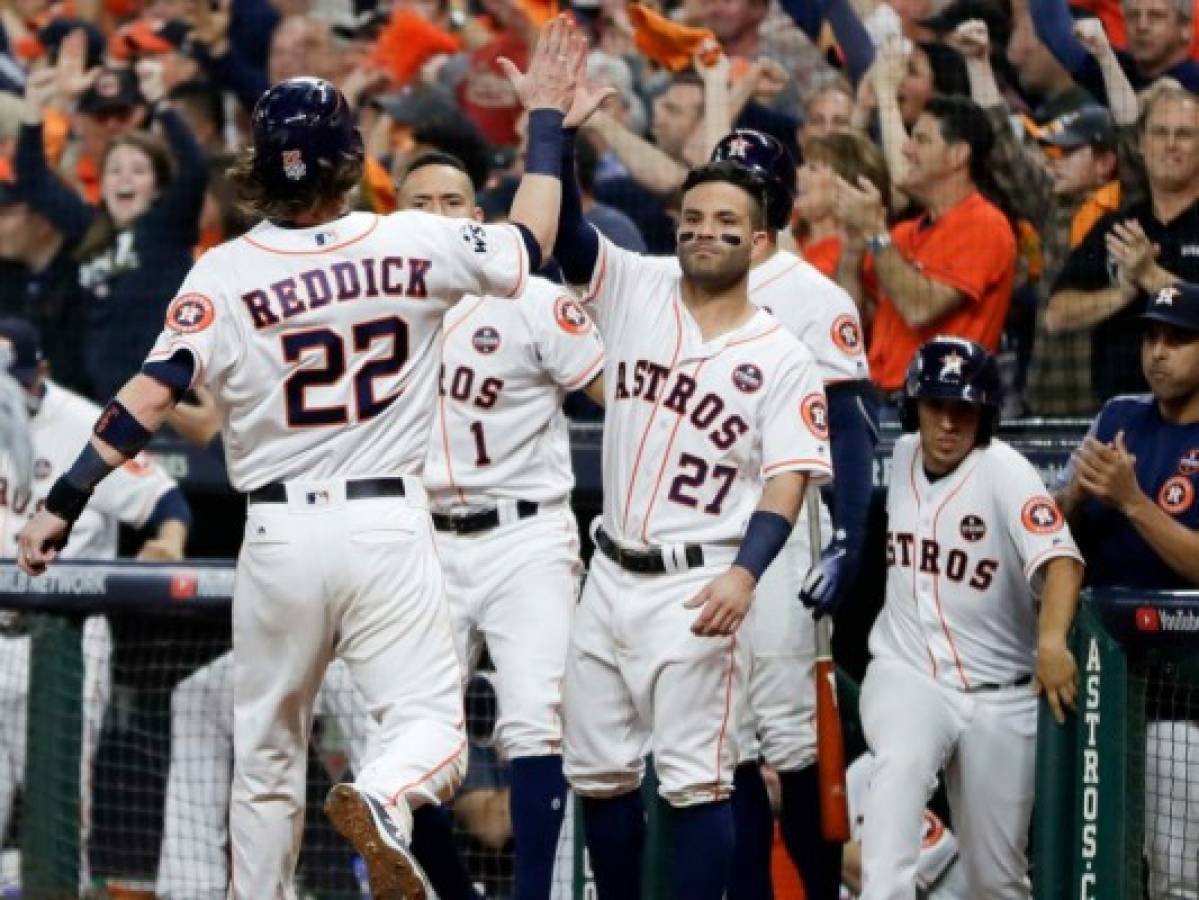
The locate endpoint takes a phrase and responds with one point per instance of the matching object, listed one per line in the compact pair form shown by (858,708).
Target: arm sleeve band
(88,470)
(177,371)
(118,428)
(171,506)
(577,246)
(764,538)
(853,436)
(544,153)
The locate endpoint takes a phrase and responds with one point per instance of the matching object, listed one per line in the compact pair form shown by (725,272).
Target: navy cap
(26,347)
(1089,125)
(1177,305)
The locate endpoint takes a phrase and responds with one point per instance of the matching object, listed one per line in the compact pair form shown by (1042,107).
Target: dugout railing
(1138,656)
(1117,785)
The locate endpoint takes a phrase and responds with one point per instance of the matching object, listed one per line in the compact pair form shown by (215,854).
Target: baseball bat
(830,742)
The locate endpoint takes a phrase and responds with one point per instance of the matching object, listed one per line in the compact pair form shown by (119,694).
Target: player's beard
(719,271)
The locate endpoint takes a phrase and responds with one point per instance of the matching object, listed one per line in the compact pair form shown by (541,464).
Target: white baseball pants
(1172,810)
(193,862)
(986,743)
(319,577)
(515,588)
(638,680)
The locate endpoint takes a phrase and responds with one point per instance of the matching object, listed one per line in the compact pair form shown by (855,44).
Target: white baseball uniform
(500,442)
(63,422)
(692,430)
(779,721)
(193,862)
(1172,809)
(938,875)
(320,346)
(954,649)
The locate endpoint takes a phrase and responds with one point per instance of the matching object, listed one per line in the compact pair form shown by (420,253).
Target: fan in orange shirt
(951,270)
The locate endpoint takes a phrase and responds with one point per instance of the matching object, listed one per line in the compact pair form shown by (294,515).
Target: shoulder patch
(474,236)
(1189,464)
(814,410)
(570,316)
(1040,515)
(190,313)
(1176,495)
(847,335)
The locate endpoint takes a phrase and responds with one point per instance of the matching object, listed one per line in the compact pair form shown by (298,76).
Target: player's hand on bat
(1108,471)
(723,602)
(1057,676)
(824,584)
(39,541)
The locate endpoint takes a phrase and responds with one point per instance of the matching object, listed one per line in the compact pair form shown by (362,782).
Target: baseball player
(974,542)
(779,723)
(715,421)
(193,860)
(1129,495)
(938,873)
(316,332)
(139,494)
(499,480)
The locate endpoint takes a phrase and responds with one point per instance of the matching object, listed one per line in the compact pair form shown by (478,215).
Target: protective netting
(116,764)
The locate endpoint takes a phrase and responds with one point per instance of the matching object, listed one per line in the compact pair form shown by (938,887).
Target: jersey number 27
(332,346)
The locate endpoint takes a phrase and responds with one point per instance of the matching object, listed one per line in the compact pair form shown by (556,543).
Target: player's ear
(479,216)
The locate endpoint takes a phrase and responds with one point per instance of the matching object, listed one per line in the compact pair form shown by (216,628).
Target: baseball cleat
(362,820)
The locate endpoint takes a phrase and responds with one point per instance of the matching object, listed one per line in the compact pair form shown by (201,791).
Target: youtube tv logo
(1148,619)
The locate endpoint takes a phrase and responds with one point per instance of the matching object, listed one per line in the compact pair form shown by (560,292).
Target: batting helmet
(302,125)
(953,368)
(767,158)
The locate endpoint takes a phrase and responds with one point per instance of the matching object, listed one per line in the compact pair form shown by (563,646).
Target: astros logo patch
(190,313)
(1189,464)
(486,340)
(41,468)
(846,335)
(815,415)
(570,316)
(1176,495)
(293,164)
(747,378)
(973,528)
(1041,516)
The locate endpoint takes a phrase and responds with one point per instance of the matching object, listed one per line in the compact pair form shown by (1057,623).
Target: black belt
(484,520)
(644,562)
(999,686)
(357,489)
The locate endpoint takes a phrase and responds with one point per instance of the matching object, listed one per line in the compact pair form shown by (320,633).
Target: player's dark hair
(434,158)
(103,230)
(738,176)
(460,138)
(257,199)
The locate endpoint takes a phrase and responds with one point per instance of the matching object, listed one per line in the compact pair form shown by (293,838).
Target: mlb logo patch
(293,165)
(486,340)
(747,378)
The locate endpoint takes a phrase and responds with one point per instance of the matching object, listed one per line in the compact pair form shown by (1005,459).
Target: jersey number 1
(331,345)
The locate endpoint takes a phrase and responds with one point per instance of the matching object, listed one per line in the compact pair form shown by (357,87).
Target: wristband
(764,538)
(543,155)
(88,470)
(66,500)
(120,430)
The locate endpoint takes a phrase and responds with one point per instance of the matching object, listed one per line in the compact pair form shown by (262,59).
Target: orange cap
(408,42)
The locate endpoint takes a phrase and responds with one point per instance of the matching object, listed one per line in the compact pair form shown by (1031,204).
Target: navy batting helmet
(767,158)
(302,125)
(953,368)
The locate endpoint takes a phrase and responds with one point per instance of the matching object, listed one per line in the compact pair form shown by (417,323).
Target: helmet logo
(951,364)
(293,164)
(1165,297)
(738,146)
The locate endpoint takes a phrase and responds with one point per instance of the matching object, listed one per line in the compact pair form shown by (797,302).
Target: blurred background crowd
(1063,197)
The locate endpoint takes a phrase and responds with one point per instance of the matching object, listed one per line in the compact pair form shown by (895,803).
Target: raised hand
(971,39)
(1091,35)
(554,69)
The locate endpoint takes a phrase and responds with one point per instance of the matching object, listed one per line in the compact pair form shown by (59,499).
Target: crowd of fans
(1001,146)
